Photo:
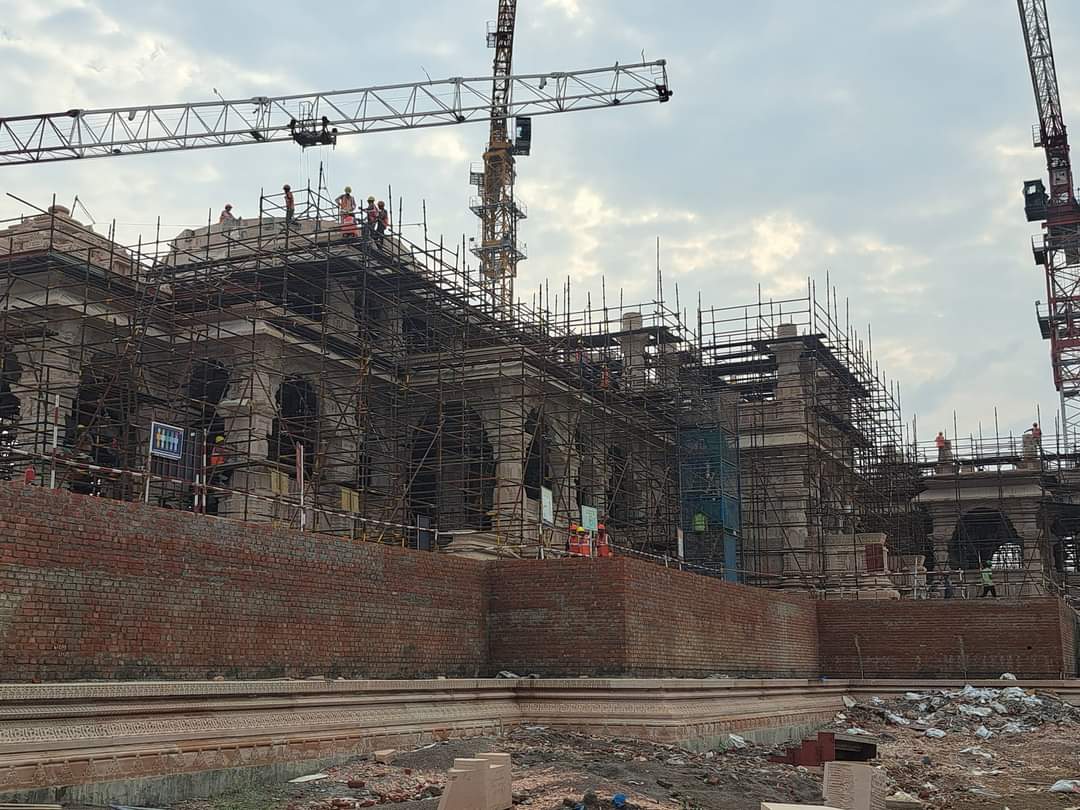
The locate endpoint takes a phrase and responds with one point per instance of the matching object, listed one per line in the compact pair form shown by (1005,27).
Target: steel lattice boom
(1058,250)
(316,118)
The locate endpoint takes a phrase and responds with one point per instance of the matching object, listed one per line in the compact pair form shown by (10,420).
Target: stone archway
(985,534)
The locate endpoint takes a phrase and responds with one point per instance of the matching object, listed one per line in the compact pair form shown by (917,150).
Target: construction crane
(1057,251)
(320,118)
(499,214)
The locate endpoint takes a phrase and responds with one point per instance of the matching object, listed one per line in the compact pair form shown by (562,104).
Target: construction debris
(981,713)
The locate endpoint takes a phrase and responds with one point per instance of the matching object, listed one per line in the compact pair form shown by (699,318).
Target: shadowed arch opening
(452,469)
(296,423)
(984,534)
(537,471)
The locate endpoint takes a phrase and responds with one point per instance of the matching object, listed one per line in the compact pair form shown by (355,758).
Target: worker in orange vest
(584,546)
(602,547)
(217,452)
(578,543)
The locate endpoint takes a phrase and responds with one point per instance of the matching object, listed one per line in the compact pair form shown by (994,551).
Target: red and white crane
(1057,251)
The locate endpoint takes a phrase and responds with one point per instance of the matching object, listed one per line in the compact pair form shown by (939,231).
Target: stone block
(385,755)
(466,789)
(499,781)
(854,786)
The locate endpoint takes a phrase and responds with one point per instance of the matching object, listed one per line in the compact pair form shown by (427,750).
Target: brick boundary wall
(98,589)
(94,588)
(628,617)
(955,638)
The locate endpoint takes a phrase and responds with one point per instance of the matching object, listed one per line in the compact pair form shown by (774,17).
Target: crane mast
(1057,251)
(499,214)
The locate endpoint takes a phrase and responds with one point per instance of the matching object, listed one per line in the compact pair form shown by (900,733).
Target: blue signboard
(166,441)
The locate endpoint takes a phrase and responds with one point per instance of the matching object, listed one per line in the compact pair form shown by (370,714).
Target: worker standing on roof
(290,204)
(371,217)
(942,446)
(227,218)
(346,203)
(1036,433)
(382,225)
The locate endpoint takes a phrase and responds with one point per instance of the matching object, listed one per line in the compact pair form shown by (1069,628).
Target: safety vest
(701,523)
(347,203)
(579,543)
(602,547)
(217,456)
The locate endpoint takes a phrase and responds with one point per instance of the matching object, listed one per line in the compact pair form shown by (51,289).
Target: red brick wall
(688,625)
(942,638)
(93,588)
(557,617)
(628,617)
(1070,630)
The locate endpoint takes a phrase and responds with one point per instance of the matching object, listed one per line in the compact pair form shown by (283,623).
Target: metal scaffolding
(295,369)
(825,486)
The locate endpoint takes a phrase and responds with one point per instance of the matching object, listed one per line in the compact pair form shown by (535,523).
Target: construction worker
(382,225)
(602,547)
(1036,432)
(290,204)
(578,543)
(348,226)
(346,203)
(987,575)
(583,545)
(371,217)
(227,218)
(216,456)
(941,442)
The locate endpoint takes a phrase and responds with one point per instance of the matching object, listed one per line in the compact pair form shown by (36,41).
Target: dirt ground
(554,769)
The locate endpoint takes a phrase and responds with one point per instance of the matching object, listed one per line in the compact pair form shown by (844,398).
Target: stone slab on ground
(855,786)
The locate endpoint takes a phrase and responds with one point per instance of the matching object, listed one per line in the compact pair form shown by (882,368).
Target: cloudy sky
(883,143)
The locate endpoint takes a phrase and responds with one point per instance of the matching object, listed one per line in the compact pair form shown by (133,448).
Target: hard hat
(381,202)
(219,439)
(287,187)
(371,199)
(348,189)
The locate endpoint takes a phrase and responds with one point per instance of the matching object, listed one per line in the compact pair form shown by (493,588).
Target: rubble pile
(961,748)
(978,712)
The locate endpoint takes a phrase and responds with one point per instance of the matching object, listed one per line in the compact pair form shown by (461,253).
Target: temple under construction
(287,371)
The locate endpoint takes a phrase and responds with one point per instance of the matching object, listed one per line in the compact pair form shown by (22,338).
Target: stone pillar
(509,441)
(632,343)
(249,415)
